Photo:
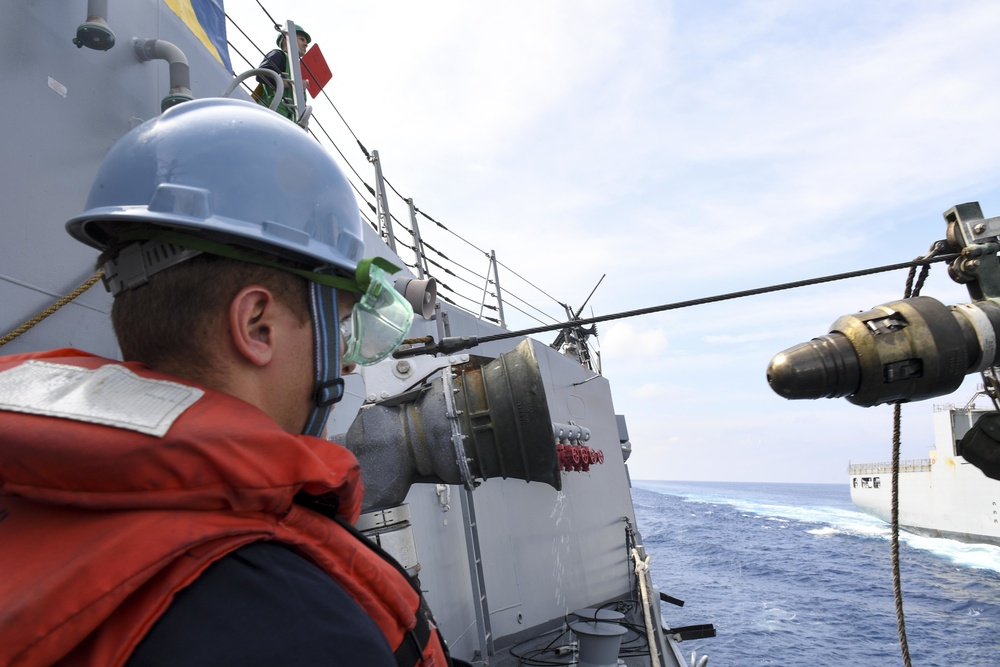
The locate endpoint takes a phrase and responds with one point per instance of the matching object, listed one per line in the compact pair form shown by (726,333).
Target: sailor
(181,507)
(276,60)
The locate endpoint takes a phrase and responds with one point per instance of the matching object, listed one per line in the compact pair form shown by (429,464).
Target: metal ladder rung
(476,570)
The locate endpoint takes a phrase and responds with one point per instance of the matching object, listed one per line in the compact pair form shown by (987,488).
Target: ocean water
(793,574)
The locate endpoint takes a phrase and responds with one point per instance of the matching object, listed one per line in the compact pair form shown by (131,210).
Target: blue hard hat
(231,171)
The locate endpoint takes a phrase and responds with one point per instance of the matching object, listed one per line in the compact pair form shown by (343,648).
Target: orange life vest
(100,526)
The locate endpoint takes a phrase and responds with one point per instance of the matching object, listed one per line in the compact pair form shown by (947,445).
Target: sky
(681,150)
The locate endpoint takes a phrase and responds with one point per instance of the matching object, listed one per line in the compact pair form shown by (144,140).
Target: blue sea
(793,574)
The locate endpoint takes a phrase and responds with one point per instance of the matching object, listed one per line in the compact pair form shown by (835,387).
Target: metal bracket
(976,237)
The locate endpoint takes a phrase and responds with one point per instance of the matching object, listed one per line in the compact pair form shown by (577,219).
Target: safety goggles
(379,321)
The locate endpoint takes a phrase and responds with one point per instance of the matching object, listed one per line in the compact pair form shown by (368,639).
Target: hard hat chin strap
(329,386)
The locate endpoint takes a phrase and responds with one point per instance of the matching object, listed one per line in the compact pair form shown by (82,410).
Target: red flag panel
(315,70)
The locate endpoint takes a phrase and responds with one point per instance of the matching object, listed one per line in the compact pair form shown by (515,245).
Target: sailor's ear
(252,314)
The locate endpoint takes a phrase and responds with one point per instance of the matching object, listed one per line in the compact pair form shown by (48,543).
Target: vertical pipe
(97,9)
(94,33)
(180,73)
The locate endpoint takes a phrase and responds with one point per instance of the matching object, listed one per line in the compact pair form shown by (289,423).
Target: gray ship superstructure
(514,510)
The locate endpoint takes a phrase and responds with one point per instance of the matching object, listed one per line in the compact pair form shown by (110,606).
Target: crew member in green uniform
(277,61)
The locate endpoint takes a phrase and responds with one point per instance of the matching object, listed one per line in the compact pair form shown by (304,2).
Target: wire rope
(531,283)
(277,26)
(458,236)
(721,297)
(246,36)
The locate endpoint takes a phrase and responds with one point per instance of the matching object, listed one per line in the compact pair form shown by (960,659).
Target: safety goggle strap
(329,387)
(359,283)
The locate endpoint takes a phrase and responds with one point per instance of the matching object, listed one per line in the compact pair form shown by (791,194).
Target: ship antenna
(568,332)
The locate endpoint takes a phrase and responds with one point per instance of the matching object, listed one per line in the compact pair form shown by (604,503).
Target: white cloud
(650,391)
(729,339)
(684,150)
(625,339)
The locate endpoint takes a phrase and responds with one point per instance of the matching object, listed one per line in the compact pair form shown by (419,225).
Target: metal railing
(911,465)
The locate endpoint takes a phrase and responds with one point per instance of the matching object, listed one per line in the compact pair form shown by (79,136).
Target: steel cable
(721,297)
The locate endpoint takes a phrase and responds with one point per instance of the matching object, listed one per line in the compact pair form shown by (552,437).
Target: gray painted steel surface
(545,552)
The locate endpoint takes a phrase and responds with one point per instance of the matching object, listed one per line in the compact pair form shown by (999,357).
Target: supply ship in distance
(517,517)
(940,496)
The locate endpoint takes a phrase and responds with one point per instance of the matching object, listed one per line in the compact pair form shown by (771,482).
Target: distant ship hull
(941,496)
